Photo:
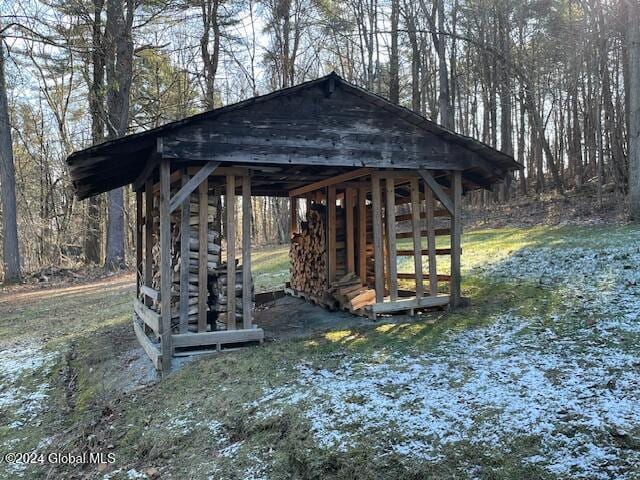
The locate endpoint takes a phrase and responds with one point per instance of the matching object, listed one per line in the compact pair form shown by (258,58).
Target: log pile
(351,294)
(308,253)
(218,295)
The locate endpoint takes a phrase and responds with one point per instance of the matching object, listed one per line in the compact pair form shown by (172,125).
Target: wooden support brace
(331,232)
(362,235)
(165,265)
(188,188)
(360,172)
(348,204)
(391,238)
(376,202)
(246,253)
(415,229)
(184,259)
(437,189)
(203,252)
(231,252)
(456,237)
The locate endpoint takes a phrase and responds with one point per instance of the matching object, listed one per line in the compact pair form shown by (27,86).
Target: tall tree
(10,249)
(633,46)
(118,48)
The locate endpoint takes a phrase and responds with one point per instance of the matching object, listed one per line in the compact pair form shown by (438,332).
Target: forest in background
(555,83)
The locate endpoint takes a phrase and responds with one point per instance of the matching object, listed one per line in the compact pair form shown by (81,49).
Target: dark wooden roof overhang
(278,167)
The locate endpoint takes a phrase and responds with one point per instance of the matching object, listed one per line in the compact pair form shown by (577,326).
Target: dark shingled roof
(134,149)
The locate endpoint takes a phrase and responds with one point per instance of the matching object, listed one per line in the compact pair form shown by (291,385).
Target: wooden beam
(360,172)
(362,235)
(218,338)
(431,243)
(391,238)
(148,236)
(149,317)
(293,201)
(412,275)
(376,201)
(203,252)
(424,251)
(417,241)
(231,252)
(187,189)
(409,303)
(437,189)
(150,349)
(150,293)
(331,232)
(349,197)
(247,317)
(184,259)
(165,265)
(139,261)
(456,236)
(438,232)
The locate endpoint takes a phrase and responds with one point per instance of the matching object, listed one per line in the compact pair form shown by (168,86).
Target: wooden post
(331,232)
(391,238)
(294,212)
(417,241)
(148,238)
(376,201)
(362,235)
(456,236)
(246,252)
(231,252)
(165,264)
(350,241)
(431,242)
(203,252)
(139,262)
(184,259)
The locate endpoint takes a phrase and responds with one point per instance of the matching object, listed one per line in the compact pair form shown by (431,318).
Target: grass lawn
(538,378)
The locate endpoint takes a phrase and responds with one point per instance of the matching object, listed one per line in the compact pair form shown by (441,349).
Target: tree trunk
(93,232)
(10,249)
(119,69)
(633,42)
(394,61)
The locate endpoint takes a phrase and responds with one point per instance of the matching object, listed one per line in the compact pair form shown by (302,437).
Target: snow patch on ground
(18,364)
(576,393)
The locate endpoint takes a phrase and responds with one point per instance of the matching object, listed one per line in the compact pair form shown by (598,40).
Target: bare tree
(10,249)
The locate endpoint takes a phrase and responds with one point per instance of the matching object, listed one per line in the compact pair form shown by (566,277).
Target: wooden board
(203,252)
(456,236)
(362,235)
(149,317)
(391,238)
(331,233)
(218,338)
(376,201)
(247,316)
(184,258)
(149,348)
(349,197)
(417,245)
(165,265)
(409,303)
(231,251)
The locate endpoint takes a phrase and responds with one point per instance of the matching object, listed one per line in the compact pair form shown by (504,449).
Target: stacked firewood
(351,294)
(308,253)
(219,299)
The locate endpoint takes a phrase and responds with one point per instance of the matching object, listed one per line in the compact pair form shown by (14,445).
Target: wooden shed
(361,172)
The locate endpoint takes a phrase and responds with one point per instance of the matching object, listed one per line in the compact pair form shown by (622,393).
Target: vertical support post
(247,314)
(391,238)
(184,259)
(350,240)
(331,232)
(139,262)
(362,235)
(165,264)
(231,252)
(294,211)
(203,252)
(431,241)
(456,236)
(417,240)
(376,201)
(148,238)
